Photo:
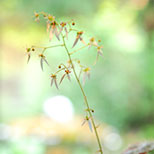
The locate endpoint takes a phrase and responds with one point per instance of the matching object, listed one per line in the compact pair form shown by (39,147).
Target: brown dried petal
(80,73)
(83,122)
(89,46)
(100,52)
(51,34)
(48,26)
(56,33)
(88,75)
(84,78)
(51,82)
(62,78)
(75,42)
(46,61)
(96,58)
(37,19)
(66,33)
(81,39)
(68,76)
(61,29)
(90,125)
(56,83)
(41,62)
(28,58)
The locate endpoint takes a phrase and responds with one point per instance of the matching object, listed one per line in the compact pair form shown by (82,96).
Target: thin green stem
(85,98)
(48,46)
(72,29)
(78,49)
(59,70)
(64,66)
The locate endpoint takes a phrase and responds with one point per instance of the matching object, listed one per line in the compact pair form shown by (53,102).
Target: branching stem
(48,46)
(85,98)
(78,49)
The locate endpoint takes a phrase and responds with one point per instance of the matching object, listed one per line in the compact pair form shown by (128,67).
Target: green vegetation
(121,87)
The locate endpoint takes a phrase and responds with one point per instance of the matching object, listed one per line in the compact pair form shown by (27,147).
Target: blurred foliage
(121,88)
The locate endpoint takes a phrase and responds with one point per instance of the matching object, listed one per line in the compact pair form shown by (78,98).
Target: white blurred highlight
(59,108)
(112,139)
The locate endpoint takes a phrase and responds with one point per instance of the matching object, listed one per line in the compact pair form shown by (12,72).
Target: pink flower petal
(83,122)
(46,61)
(66,33)
(48,26)
(75,42)
(62,78)
(90,125)
(68,76)
(56,33)
(28,58)
(88,75)
(51,34)
(56,83)
(41,62)
(61,29)
(84,78)
(81,39)
(51,82)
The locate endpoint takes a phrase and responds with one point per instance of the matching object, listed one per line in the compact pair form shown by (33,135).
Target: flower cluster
(87,120)
(78,37)
(61,31)
(92,42)
(28,52)
(66,71)
(54,80)
(53,27)
(41,56)
(43,59)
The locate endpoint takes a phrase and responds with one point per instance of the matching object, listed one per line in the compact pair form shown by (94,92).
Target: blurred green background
(121,88)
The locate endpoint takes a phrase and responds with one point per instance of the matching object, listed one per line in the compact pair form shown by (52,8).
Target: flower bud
(41,55)
(80,33)
(36,15)
(92,110)
(63,24)
(28,49)
(92,39)
(73,23)
(33,49)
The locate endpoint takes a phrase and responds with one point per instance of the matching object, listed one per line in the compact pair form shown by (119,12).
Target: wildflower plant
(61,31)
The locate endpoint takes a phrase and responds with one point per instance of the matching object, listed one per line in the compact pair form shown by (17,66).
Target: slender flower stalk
(78,49)
(54,28)
(52,46)
(85,98)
